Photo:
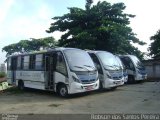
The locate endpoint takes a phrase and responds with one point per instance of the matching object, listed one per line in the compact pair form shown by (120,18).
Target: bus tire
(20,85)
(131,80)
(62,90)
(100,86)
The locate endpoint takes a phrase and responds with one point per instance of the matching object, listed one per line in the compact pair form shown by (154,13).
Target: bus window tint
(26,63)
(61,66)
(32,62)
(39,62)
(120,62)
(78,60)
(19,63)
(96,62)
(137,62)
(128,63)
(109,61)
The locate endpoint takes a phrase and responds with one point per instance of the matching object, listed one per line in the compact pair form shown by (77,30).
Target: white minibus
(62,70)
(135,69)
(109,69)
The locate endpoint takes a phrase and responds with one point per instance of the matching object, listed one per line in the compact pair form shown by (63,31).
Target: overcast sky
(24,19)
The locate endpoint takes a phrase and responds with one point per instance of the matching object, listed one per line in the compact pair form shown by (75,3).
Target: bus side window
(96,62)
(26,63)
(125,63)
(60,64)
(32,62)
(19,62)
(39,62)
(13,63)
(128,63)
(22,62)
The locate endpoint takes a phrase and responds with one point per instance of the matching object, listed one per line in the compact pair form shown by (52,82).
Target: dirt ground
(135,98)
(2,79)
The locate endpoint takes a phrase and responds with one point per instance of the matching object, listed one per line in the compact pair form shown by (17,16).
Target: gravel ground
(135,98)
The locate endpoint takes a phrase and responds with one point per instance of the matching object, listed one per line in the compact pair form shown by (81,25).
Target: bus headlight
(75,79)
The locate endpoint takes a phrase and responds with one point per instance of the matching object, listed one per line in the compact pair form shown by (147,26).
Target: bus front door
(13,69)
(50,62)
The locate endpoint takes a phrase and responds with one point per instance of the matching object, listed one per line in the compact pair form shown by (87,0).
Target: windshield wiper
(117,67)
(81,68)
(90,66)
(114,66)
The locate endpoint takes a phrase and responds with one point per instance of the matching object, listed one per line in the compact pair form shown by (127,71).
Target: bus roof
(97,51)
(42,51)
(127,56)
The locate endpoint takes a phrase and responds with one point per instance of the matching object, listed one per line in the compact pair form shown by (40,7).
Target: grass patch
(13,90)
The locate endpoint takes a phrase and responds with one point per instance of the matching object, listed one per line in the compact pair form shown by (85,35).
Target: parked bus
(62,70)
(109,69)
(124,70)
(135,69)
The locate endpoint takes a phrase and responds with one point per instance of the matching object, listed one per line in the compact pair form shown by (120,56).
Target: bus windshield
(120,62)
(109,61)
(137,62)
(79,60)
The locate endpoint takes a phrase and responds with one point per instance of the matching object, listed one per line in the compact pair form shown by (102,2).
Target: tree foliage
(99,27)
(155,45)
(30,45)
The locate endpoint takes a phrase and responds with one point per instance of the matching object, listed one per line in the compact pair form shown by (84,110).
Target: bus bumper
(79,88)
(109,83)
(140,77)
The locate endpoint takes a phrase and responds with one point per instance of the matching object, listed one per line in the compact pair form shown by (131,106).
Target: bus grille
(87,77)
(117,77)
(88,81)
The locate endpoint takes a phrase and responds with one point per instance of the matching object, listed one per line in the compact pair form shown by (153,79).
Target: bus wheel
(131,80)
(63,91)
(100,86)
(21,85)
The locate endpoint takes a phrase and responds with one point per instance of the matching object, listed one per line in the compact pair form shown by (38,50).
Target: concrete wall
(152,68)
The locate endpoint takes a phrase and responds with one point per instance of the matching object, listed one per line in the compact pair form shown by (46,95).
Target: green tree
(99,27)
(30,45)
(154,47)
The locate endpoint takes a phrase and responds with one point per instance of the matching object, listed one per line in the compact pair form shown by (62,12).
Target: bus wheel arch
(101,88)
(62,89)
(21,84)
(131,79)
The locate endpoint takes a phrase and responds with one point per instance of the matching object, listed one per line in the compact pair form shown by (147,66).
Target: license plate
(89,88)
(118,82)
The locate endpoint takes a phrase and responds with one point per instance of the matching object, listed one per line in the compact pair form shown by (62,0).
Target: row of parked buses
(70,70)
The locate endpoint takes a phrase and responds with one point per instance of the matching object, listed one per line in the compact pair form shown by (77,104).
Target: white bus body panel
(109,83)
(75,87)
(139,77)
(78,87)
(31,79)
(58,77)
(125,78)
